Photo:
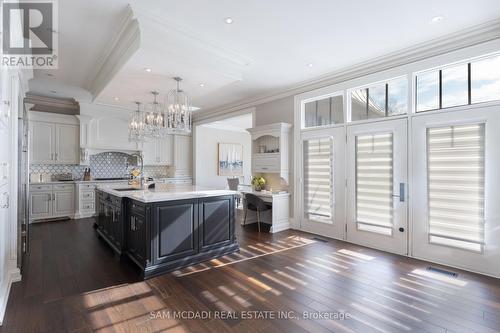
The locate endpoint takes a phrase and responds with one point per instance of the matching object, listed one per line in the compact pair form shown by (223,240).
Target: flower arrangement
(258,183)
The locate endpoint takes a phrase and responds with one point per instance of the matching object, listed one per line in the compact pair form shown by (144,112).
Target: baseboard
(13,275)
(277,227)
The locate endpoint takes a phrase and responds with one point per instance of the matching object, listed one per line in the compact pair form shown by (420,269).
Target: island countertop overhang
(164,192)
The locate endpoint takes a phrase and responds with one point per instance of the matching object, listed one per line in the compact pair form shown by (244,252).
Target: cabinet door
(166,150)
(40,205)
(67,144)
(216,222)
(64,203)
(149,152)
(175,225)
(137,240)
(182,155)
(42,142)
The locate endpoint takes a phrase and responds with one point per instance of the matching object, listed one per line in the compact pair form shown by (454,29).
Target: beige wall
(207,140)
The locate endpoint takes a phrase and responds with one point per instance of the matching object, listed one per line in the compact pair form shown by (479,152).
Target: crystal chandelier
(137,124)
(177,110)
(154,118)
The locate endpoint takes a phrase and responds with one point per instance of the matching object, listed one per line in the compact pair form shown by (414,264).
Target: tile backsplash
(104,165)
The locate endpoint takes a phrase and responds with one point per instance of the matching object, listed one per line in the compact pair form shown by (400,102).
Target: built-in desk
(278,217)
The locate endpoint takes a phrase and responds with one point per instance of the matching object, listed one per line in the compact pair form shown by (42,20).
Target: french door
(376,185)
(323,182)
(456,177)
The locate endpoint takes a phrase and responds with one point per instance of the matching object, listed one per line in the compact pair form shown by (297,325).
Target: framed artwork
(230,159)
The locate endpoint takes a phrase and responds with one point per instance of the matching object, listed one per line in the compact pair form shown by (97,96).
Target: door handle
(401,194)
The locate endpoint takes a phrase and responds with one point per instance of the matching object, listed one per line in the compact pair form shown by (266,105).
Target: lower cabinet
(111,220)
(175,226)
(215,229)
(164,236)
(137,234)
(49,201)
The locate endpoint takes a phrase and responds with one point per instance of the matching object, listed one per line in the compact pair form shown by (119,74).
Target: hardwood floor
(72,282)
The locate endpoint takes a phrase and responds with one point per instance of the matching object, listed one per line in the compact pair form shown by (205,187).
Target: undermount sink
(127,189)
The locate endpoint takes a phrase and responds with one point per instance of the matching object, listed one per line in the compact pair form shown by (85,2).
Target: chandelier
(137,124)
(157,120)
(177,110)
(154,119)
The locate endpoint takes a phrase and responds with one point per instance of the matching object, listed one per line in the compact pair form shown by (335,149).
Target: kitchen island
(168,227)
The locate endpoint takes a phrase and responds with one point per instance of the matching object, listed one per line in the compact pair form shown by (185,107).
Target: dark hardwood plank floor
(72,282)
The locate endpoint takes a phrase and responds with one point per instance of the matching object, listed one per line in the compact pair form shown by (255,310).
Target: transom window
(380,100)
(323,112)
(461,84)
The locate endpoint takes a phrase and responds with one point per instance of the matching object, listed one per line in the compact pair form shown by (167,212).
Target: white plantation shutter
(455,172)
(374,173)
(318,179)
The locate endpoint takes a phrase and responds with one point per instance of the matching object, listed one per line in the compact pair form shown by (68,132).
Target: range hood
(102,132)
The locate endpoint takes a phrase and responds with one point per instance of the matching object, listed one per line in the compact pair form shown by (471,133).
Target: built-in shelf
(270,149)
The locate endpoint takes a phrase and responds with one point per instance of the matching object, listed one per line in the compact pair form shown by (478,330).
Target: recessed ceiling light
(116,98)
(202,84)
(228,20)
(54,91)
(309,65)
(437,19)
(147,70)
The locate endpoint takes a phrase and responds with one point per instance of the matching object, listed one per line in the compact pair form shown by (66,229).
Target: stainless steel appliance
(23,185)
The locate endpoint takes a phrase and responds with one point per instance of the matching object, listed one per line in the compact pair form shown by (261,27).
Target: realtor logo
(29,38)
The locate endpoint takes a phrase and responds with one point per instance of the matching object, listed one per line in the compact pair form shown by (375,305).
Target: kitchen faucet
(138,158)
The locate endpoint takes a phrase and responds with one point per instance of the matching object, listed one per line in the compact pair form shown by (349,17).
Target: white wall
(207,140)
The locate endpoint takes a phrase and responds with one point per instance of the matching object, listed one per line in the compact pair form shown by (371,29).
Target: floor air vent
(320,239)
(442,271)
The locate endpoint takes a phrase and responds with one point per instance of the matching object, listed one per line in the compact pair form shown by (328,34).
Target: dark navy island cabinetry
(162,236)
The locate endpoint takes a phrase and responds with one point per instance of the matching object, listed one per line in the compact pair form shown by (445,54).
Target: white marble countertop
(164,192)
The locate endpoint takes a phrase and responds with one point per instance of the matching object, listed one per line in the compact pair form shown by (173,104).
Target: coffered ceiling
(269,46)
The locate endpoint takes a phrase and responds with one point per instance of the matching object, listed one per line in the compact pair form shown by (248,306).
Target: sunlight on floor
(440,277)
(259,250)
(356,254)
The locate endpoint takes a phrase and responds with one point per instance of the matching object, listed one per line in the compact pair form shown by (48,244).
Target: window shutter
(455,177)
(318,179)
(374,161)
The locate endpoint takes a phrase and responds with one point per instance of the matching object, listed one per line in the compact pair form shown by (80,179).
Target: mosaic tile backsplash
(104,165)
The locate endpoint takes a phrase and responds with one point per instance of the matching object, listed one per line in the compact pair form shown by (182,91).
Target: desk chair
(256,204)
(233,184)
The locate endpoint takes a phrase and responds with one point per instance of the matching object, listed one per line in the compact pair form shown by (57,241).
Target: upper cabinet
(55,140)
(183,155)
(270,149)
(158,151)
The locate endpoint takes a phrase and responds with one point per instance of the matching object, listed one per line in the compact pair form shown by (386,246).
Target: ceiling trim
(464,38)
(119,50)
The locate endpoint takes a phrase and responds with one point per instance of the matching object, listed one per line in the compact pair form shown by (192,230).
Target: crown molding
(468,37)
(68,106)
(119,50)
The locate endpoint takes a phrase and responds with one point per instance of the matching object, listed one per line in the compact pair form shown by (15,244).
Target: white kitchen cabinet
(54,143)
(40,205)
(67,146)
(64,203)
(158,151)
(42,142)
(149,152)
(49,201)
(183,154)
